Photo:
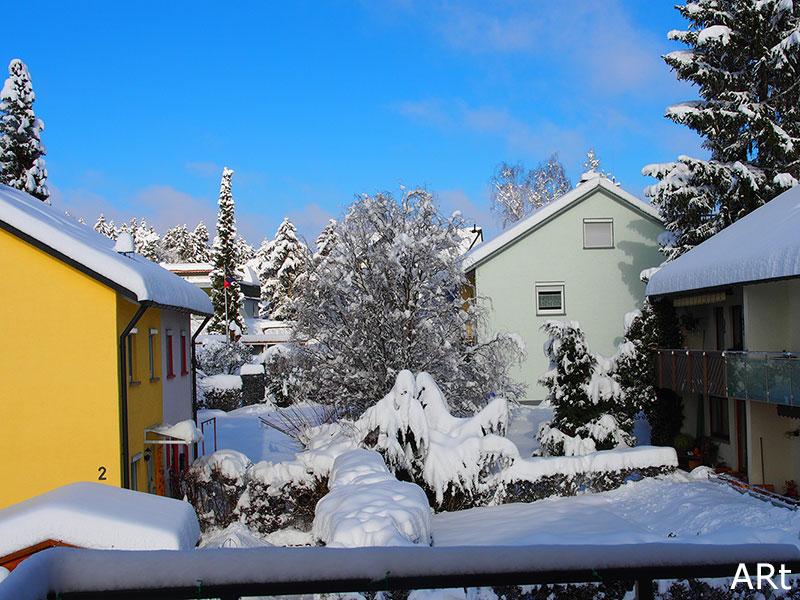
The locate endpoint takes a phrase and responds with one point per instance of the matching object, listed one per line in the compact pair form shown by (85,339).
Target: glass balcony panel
(779,374)
(736,367)
(756,377)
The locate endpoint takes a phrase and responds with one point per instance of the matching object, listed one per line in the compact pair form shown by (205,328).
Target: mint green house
(578,258)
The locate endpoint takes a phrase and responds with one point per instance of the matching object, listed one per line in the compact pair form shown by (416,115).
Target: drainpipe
(194,369)
(123,395)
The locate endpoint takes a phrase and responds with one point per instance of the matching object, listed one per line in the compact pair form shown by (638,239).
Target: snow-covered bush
(213,485)
(284,365)
(368,506)
(456,460)
(221,392)
(214,356)
(388,297)
(588,414)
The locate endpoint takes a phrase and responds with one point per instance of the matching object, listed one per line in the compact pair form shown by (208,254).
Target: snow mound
(367,506)
(93,515)
(235,535)
(221,382)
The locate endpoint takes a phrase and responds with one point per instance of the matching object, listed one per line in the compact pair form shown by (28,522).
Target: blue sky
(313,102)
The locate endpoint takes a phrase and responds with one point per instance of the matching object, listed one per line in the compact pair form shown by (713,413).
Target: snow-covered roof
(94,254)
(188,267)
(93,515)
(761,246)
(550,210)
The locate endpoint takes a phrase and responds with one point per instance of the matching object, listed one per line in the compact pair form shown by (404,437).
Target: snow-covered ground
(242,430)
(677,508)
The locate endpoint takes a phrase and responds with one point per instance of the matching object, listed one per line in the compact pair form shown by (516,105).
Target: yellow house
(95,355)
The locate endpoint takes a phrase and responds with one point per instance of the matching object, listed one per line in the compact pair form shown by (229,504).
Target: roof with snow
(93,515)
(93,254)
(761,246)
(550,211)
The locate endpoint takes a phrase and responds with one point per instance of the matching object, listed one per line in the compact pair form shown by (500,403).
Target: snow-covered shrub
(221,392)
(215,357)
(253,385)
(284,365)
(388,297)
(368,506)
(456,460)
(615,590)
(527,480)
(213,485)
(588,414)
(279,496)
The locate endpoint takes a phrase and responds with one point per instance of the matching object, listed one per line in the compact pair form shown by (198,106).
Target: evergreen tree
(588,413)
(244,251)
(105,227)
(178,245)
(287,259)
(225,289)
(743,56)
(21,148)
(200,239)
(388,298)
(147,241)
(325,241)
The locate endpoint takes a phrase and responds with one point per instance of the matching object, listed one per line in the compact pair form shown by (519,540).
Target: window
(131,344)
(598,233)
(184,370)
(151,346)
(737,322)
(550,299)
(170,360)
(719,418)
(135,471)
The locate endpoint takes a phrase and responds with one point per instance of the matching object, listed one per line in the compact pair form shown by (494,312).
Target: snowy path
(239,430)
(676,508)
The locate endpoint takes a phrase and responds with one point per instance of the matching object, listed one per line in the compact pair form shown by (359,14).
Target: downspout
(194,369)
(123,395)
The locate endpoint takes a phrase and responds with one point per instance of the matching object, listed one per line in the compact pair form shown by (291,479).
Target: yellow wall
(58,375)
(145,408)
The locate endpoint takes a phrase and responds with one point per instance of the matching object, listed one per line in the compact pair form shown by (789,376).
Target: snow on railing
(757,492)
(70,573)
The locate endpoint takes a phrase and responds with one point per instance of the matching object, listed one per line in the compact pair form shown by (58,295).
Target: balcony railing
(763,376)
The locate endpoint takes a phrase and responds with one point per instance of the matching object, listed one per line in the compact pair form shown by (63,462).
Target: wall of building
(177,389)
(772,316)
(781,456)
(58,367)
(145,407)
(601,285)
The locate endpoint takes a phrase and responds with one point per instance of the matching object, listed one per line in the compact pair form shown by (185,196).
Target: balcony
(772,377)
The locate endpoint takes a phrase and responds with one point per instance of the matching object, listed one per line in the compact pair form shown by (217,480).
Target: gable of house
(577,259)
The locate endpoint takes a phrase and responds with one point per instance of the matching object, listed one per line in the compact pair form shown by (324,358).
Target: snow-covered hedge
(222,392)
(214,484)
(368,506)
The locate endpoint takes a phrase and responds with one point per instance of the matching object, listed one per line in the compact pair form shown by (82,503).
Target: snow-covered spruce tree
(516,193)
(21,148)
(586,400)
(744,58)
(633,365)
(200,239)
(225,289)
(325,241)
(244,251)
(388,298)
(177,245)
(107,228)
(287,258)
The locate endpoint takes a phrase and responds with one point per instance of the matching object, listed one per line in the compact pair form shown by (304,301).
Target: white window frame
(603,220)
(550,286)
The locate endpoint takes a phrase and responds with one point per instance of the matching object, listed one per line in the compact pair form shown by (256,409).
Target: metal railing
(71,573)
(763,376)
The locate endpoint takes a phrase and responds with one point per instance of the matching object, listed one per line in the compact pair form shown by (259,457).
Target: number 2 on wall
(102,471)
